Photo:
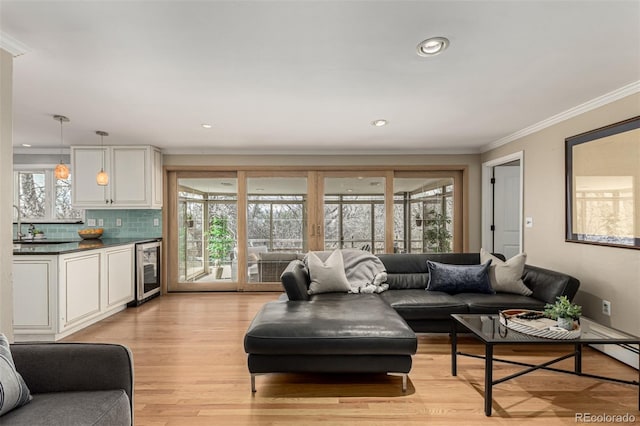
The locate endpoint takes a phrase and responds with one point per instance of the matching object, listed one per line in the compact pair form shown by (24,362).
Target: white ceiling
(310,76)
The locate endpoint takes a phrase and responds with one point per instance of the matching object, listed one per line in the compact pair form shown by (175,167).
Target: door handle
(313,230)
(319,232)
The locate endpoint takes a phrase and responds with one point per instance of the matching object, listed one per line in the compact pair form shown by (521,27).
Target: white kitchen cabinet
(120,277)
(135,176)
(79,287)
(56,295)
(33,310)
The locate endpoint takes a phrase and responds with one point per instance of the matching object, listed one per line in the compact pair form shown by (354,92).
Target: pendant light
(61,171)
(102,178)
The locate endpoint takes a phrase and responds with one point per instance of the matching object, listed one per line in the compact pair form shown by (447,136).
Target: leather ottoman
(332,333)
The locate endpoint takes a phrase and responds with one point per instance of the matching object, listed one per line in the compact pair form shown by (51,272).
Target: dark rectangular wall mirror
(603,185)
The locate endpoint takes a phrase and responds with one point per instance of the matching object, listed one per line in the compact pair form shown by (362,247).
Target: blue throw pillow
(455,279)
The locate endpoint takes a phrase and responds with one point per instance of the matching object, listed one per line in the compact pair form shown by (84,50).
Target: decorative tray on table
(536,324)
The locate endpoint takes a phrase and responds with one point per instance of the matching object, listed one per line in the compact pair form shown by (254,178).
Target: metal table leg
(454,349)
(578,359)
(488,378)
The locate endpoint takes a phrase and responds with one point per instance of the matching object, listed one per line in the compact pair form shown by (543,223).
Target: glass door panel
(423,214)
(276,225)
(207,223)
(354,213)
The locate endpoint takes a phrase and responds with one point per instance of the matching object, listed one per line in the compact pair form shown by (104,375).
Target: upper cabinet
(135,177)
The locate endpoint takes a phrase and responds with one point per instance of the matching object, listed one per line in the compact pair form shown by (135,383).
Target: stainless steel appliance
(148,273)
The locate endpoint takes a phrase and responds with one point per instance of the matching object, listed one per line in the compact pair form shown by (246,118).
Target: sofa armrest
(64,367)
(547,285)
(295,280)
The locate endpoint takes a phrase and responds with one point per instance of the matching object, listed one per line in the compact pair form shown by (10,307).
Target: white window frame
(49,191)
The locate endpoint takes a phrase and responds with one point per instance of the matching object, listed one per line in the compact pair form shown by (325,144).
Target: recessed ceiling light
(26,145)
(349,190)
(379,123)
(207,126)
(432,46)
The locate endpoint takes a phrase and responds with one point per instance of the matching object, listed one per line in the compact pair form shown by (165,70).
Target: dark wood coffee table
(488,330)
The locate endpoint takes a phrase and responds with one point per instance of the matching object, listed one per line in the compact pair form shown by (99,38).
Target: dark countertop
(55,247)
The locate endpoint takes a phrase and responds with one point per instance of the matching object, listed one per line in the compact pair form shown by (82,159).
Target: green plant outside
(436,233)
(562,308)
(221,240)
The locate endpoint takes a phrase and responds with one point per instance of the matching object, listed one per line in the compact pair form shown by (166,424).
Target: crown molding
(315,152)
(41,150)
(605,99)
(11,45)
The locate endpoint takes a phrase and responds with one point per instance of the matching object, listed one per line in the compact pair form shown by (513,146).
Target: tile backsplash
(133,223)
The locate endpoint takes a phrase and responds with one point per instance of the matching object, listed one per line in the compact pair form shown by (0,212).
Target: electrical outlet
(91,222)
(528,222)
(118,222)
(606,307)
(156,222)
(100,222)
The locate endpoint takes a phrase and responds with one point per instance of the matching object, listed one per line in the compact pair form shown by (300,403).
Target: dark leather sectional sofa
(375,333)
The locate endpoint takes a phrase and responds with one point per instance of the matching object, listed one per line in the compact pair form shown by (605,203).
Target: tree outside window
(43,198)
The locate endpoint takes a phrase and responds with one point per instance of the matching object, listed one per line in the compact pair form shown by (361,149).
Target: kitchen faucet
(19,233)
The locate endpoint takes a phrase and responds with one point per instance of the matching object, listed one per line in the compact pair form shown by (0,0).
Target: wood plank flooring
(190,369)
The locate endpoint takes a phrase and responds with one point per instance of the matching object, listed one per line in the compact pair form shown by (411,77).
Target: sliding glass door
(276,224)
(206,232)
(238,230)
(426,212)
(354,212)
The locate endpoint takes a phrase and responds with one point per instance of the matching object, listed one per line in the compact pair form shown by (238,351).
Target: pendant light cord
(61,141)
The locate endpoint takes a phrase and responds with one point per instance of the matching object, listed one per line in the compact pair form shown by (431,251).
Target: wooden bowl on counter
(90,233)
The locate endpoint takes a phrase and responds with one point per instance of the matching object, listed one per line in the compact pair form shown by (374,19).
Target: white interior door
(506,209)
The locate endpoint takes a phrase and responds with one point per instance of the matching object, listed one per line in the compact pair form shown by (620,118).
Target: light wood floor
(190,369)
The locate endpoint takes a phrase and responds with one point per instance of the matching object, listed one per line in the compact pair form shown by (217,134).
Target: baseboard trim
(624,353)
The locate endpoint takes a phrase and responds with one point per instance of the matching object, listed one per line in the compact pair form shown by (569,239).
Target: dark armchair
(74,383)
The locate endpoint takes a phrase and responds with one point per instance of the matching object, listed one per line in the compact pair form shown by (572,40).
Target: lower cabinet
(55,296)
(120,278)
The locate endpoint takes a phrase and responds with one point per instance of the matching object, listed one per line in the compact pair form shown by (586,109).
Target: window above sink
(42,198)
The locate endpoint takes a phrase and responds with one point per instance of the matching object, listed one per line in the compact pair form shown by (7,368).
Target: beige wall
(604,272)
(6,191)
(471,161)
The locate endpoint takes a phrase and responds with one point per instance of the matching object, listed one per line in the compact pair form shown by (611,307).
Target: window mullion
(49,196)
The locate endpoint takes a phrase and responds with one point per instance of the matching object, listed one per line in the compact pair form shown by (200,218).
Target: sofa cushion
(407,281)
(14,392)
(454,279)
(506,276)
(421,304)
(492,303)
(330,324)
(327,276)
(108,408)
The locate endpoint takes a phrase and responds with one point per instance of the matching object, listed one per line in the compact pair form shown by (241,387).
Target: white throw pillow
(506,277)
(13,390)
(328,276)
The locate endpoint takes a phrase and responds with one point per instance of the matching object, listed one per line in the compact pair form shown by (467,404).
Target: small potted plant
(189,220)
(563,311)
